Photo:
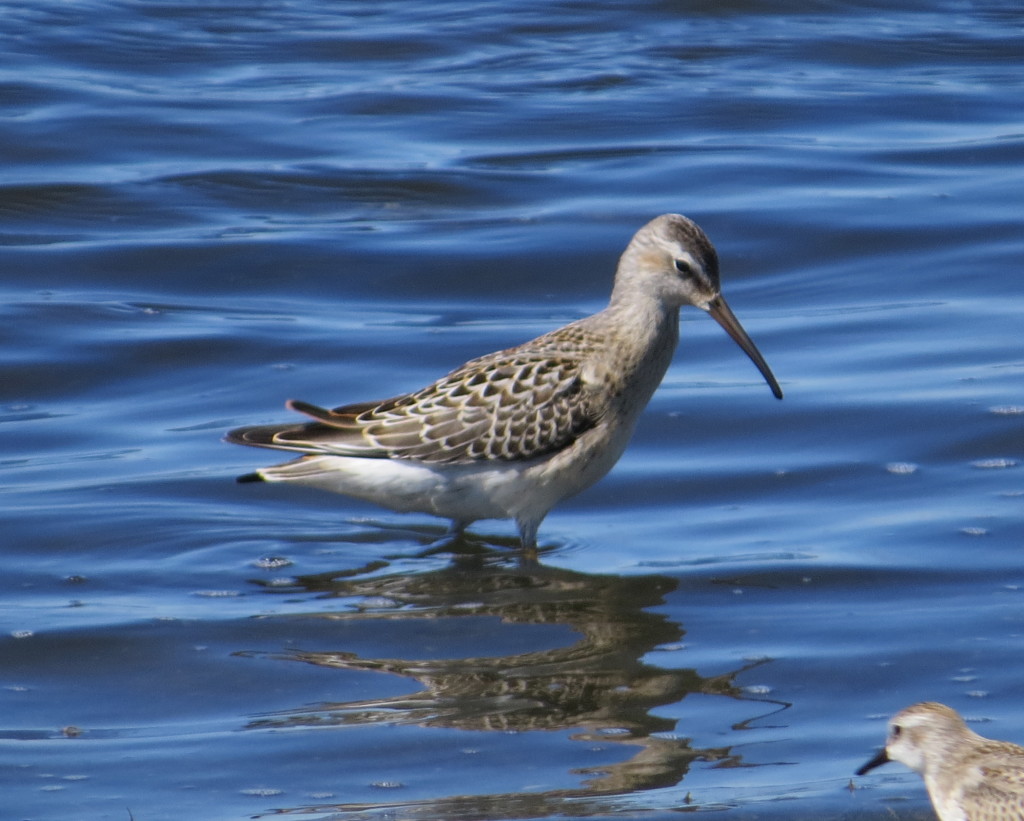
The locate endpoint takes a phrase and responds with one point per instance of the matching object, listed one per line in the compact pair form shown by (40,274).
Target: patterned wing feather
(999,789)
(313,437)
(506,406)
(516,404)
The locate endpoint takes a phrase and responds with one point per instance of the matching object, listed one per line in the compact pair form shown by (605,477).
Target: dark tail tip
(249,477)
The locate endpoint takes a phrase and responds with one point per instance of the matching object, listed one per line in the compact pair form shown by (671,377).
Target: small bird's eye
(896,730)
(684,267)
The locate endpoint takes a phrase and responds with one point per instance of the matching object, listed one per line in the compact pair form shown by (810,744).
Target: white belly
(462,493)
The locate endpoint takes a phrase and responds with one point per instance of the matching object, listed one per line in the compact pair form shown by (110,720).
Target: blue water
(208,209)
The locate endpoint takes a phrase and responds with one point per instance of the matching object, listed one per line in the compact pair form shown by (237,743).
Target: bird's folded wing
(998,785)
(506,406)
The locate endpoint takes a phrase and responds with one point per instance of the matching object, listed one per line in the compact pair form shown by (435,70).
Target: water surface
(206,210)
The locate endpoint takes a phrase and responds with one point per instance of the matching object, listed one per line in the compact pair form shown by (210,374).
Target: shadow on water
(598,687)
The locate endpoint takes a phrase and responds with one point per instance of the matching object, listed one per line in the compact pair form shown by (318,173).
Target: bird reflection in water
(598,687)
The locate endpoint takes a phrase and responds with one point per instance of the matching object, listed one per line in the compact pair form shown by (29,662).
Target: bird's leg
(454,535)
(528,539)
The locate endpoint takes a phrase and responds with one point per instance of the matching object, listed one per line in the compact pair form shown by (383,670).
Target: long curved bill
(723,315)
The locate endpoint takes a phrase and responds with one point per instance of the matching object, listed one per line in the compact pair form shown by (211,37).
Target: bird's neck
(644,338)
(647,320)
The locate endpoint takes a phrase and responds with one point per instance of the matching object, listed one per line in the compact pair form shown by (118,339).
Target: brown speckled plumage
(512,405)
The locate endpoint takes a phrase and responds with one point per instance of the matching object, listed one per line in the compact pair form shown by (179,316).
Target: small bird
(511,434)
(969,777)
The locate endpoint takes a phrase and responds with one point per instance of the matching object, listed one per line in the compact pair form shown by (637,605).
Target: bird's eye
(895,731)
(684,267)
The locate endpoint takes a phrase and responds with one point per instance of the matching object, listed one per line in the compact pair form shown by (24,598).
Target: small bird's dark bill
(877,761)
(723,315)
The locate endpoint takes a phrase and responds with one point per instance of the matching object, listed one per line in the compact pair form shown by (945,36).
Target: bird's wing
(512,405)
(997,785)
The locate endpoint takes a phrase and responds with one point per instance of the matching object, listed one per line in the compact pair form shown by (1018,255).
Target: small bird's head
(919,734)
(672,260)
